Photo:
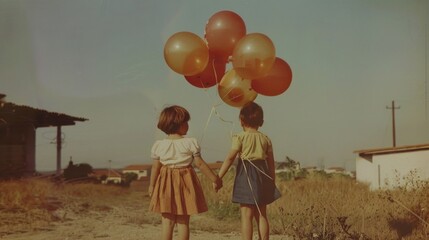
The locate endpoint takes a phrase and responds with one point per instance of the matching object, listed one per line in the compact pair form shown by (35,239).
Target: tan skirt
(178,191)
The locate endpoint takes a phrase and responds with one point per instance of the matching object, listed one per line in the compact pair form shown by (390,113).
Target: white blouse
(175,152)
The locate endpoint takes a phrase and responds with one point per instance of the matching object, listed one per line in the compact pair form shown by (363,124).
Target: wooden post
(59,150)
(379,177)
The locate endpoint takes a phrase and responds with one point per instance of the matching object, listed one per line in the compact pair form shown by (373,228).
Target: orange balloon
(276,82)
(253,56)
(234,90)
(211,75)
(186,53)
(223,30)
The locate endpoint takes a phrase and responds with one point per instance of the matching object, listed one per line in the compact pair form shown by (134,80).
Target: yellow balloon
(186,53)
(234,90)
(253,56)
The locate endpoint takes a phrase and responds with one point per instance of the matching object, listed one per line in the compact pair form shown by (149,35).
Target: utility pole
(110,168)
(393,121)
(58,172)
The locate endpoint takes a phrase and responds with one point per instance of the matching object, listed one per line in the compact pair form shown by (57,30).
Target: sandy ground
(111,228)
(127,219)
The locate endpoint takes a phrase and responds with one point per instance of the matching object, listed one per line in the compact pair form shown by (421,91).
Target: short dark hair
(171,118)
(252,115)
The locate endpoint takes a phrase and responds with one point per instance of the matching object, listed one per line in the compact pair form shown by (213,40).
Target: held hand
(150,191)
(217,185)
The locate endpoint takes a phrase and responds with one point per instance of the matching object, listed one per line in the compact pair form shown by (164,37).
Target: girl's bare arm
(205,169)
(227,162)
(271,166)
(156,167)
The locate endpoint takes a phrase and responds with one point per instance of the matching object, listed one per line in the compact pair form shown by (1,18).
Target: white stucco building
(385,168)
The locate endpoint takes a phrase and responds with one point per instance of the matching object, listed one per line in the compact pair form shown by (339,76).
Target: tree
(129,177)
(77,171)
(292,164)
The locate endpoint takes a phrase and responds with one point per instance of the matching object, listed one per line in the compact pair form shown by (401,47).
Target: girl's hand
(150,191)
(218,184)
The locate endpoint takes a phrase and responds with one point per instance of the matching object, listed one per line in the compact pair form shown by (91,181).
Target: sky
(103,60)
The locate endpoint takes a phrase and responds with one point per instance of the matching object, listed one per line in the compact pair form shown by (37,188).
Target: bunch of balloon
(255,67)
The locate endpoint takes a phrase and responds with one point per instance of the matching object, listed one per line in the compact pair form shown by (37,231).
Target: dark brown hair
(171,118)
(252,115)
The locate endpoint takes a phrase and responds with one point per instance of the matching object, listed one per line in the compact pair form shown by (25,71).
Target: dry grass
(37,204)
(339,208)
(312,208)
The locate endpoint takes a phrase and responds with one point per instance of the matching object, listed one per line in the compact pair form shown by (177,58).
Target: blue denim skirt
(253,186)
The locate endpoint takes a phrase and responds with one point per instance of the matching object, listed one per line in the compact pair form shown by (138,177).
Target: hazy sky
(103,60)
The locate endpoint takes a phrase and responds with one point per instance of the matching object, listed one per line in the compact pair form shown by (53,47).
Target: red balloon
(276,81)
(211,75)
(223,30)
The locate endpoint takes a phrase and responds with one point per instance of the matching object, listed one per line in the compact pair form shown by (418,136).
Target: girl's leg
(262,221)
(246,221)
(183,226)
(168,221)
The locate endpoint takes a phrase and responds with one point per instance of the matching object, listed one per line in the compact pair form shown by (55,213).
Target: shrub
(77,171)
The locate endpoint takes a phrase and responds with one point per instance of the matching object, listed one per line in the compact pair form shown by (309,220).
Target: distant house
(335,170)
(340,171)
(385,168)
(18,126)
(310,169)
(142,171)
(107,175)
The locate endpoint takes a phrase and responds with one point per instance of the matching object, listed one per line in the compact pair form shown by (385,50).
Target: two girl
(175,189)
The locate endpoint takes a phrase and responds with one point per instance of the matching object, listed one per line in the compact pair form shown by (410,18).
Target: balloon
(253,56)
(211,75)
(223,30)
(234,90)
(186,53)
(276,81)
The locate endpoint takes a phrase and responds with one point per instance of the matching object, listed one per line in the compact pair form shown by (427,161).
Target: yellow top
(252,145)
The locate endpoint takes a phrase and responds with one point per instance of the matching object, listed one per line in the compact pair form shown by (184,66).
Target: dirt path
(127,219)
(89,228)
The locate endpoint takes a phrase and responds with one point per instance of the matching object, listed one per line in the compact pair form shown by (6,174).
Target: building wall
(366,172)
(387,171)
(17,151)
(399,168)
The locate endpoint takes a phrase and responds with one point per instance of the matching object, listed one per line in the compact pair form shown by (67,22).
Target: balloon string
(214,71)
(207,124)
(214,109)
(223,120)
(215,112)
(251,188)
(206,89)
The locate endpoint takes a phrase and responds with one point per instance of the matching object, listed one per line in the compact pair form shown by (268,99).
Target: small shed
(18,126)
(386,168)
